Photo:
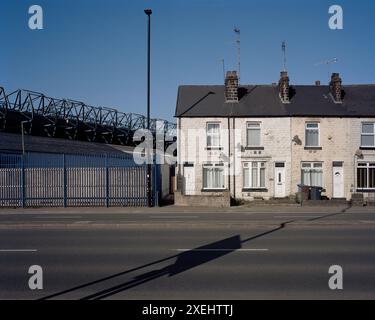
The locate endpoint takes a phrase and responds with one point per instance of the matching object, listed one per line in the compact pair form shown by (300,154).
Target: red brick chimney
(231,86)
(284,87)
(335,87)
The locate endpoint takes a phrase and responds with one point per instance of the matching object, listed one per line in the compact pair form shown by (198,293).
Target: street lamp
(148,12)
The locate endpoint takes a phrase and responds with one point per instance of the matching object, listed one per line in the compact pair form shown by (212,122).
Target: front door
(338,180)
(280,180)
(189,177)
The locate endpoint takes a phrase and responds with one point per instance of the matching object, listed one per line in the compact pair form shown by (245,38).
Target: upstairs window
(213,135)
(312,134)
(253,134)
(367,135)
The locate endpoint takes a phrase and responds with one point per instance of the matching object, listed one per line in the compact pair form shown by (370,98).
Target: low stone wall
(220,200)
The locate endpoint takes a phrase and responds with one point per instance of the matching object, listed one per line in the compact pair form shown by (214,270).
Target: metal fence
(64,180)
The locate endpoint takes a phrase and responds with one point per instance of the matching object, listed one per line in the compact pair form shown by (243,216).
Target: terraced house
(262,141)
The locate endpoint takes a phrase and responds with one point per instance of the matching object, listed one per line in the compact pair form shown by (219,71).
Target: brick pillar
(231,87)
(335,87)
(284,86)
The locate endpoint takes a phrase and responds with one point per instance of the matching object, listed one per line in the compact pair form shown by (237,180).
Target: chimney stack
(335,87)
(284,87)
(317,83)
(231,86)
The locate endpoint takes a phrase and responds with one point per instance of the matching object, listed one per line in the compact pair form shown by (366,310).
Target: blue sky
(95,50)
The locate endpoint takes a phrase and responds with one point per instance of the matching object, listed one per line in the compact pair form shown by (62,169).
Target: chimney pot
(317,82)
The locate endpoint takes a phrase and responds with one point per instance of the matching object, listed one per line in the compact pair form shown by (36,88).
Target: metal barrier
(66,180)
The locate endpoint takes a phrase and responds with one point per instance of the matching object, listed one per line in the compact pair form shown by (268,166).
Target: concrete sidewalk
(177,209)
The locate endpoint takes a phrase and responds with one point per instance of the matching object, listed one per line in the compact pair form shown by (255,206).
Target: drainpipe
(229,157)
(234,162)
(179,151)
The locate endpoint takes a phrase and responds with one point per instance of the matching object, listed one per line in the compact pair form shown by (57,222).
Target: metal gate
(66,180)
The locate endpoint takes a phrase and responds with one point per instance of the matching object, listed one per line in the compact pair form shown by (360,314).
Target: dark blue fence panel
(11,180)
(42,179)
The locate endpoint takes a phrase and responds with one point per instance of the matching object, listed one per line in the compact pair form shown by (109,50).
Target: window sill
(254,190)
(313,148)
(214,148)
(366,148)
(213,190)
(365,190)
(254,148)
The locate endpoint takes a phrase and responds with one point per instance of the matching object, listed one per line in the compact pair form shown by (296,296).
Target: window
(312,174)
(312,134)
(213,176)
(366,175)
(253,134)
(254,174)
(213,134)
(367,135)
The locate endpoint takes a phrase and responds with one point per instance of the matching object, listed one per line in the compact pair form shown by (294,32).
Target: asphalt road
(264,253)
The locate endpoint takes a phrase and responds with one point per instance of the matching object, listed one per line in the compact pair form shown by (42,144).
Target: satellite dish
(359,153)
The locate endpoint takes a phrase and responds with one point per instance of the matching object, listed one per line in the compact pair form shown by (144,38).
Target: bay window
(213,176)
(254,175)
(312,174)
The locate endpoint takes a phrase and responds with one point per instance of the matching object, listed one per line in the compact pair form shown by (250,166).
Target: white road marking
(184,250)
(18,250)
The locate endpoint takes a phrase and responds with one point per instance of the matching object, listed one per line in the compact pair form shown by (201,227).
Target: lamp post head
(148,12)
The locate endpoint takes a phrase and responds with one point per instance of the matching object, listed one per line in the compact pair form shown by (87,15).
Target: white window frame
(368,134)
(248,165)
(210,134)
(312,166)
(248,127)
(318,129)
(218,165)
(365,165)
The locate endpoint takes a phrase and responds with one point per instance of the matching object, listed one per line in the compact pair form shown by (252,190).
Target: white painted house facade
(262,141)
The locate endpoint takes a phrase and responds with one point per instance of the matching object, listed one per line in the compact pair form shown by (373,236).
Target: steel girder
(41,114)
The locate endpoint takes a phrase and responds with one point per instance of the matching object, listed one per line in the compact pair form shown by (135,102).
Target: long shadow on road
(184,261)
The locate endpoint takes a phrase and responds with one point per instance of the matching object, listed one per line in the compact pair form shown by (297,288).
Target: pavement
(264,252)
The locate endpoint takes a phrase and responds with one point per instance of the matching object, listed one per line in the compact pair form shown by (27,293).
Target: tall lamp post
(148,12)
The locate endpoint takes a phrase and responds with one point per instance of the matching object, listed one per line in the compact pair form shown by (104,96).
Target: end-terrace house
(262,141)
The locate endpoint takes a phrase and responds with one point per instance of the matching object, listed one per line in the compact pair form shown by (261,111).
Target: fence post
(65,182)
(106,181)
(155,185)
(23,184)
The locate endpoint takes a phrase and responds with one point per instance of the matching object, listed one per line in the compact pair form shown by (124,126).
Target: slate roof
(12,143)
(264,101)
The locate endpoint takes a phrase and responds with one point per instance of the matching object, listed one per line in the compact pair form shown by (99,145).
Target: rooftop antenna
(238,43)
(328,63)
(283,48)
(223,63)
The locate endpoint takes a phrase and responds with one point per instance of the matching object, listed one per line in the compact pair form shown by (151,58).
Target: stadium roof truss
(42,115)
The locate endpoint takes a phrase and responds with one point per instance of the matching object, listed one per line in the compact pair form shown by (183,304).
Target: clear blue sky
(95,50)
